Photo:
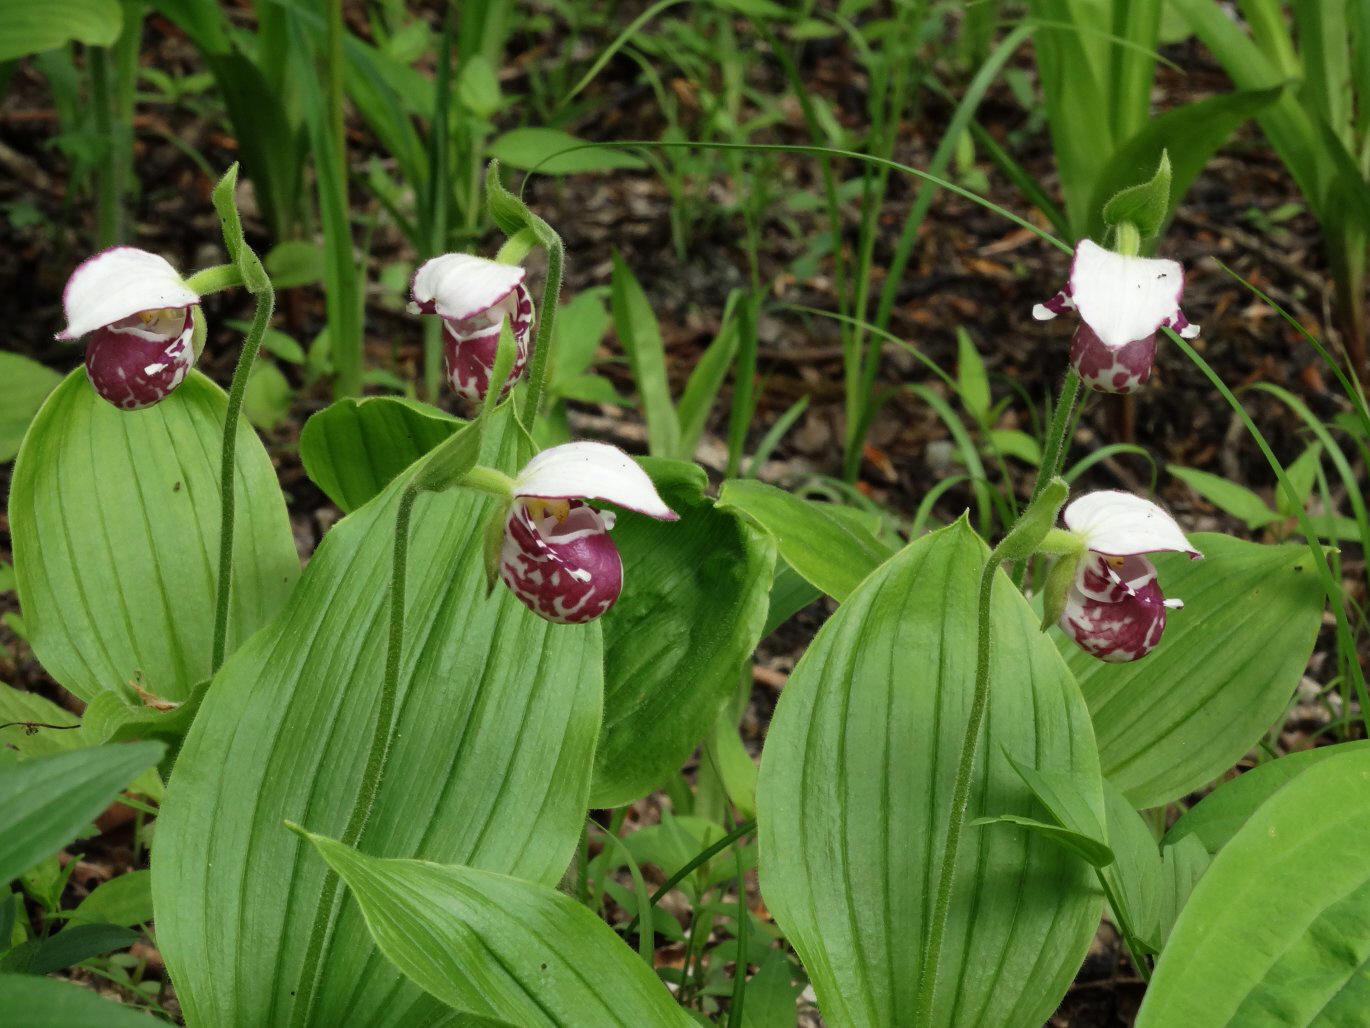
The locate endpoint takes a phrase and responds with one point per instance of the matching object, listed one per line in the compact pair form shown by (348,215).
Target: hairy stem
(960,798)
(540,365)
(266,303)
(1058,434)
(374,771)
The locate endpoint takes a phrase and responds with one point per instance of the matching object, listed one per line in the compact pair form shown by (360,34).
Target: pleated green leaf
(496,721)
(695,596)
(1277,932)
(115,521)
(1222,674)
(32,28)
(353,448)
(855,792)
(47,1003)
(24,385)
(46,801)
(829,549)
(1150,883)
(1219,815)
(498,947)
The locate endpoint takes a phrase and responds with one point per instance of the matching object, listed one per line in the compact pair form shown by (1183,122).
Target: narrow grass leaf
(641,338)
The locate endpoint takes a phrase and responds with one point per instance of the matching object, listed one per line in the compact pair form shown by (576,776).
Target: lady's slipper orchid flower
(136,310)
(1114,609)
(473,296)
(557,556)
(1123,302)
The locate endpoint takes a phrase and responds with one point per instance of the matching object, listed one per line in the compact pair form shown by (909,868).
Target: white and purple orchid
(1122,302)
(1114,609)
(136,310)
(473,296)
(557,557)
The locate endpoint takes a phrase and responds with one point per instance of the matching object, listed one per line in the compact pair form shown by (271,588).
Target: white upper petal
(1120,524)
(118,283)
(460,285)
(1123,298)
(591,471)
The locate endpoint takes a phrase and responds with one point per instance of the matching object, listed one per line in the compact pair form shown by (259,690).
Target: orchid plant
(371,780)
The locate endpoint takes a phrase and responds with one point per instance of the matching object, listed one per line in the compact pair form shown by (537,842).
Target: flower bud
(474,296)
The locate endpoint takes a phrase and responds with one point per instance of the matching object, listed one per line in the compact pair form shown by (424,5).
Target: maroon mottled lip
(469,352)
(567,580)
(1108,370)
(131,371)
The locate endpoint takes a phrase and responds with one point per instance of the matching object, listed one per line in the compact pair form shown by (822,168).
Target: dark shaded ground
(970,269)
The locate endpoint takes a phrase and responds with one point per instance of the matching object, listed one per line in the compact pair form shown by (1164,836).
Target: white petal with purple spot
(1124,298)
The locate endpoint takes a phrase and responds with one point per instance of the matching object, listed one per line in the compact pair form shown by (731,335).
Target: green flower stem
(1126,239)
(215,279)
(960,799)
(374,772)
(540,365)
(490,481)
(1058,434)
(266,303)
(703,857)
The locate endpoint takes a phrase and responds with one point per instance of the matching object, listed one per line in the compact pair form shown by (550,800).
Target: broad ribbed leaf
(20,710)
(855,792)
(1222,674)
(46,801)
(47,1003)
(1219,815)
(1278,929)
(827,548)
(32,28)
(24,385)
(115,521)
(499,947)
(695,596)
(495,729)
(1150,883)
(353,448)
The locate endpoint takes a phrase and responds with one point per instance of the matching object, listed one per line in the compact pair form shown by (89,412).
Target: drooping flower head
(1123,302)
(1114,609)
(473,296)
(136,310)
(557,557)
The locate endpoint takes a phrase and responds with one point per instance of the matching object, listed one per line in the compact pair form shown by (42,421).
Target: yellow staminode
(539,508)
